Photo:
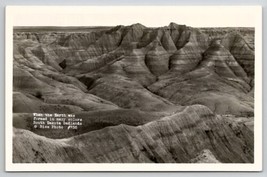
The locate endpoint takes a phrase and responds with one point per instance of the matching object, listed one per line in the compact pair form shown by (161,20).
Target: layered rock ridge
(172,94)
(173,139)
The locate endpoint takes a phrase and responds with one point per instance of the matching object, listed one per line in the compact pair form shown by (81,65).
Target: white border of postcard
(195,16)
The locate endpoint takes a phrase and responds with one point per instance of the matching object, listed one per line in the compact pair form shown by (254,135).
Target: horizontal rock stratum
(175,138)
(172,94)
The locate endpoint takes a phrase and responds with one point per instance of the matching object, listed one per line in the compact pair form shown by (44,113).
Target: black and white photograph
(127,90)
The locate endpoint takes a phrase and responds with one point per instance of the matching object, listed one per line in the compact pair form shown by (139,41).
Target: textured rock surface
(166,94)
(175,138)
(241,50)
(205,157)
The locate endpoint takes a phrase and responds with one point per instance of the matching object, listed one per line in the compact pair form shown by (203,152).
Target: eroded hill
(167,94)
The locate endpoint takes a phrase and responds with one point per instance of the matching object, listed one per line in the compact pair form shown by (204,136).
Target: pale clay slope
(205,156)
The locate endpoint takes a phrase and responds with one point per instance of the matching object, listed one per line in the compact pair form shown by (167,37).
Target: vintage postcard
(133,88)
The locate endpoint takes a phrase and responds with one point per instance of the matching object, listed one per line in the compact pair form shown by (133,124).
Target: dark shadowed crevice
(63,64)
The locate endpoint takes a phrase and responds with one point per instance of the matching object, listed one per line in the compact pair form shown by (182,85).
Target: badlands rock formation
(172,94)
